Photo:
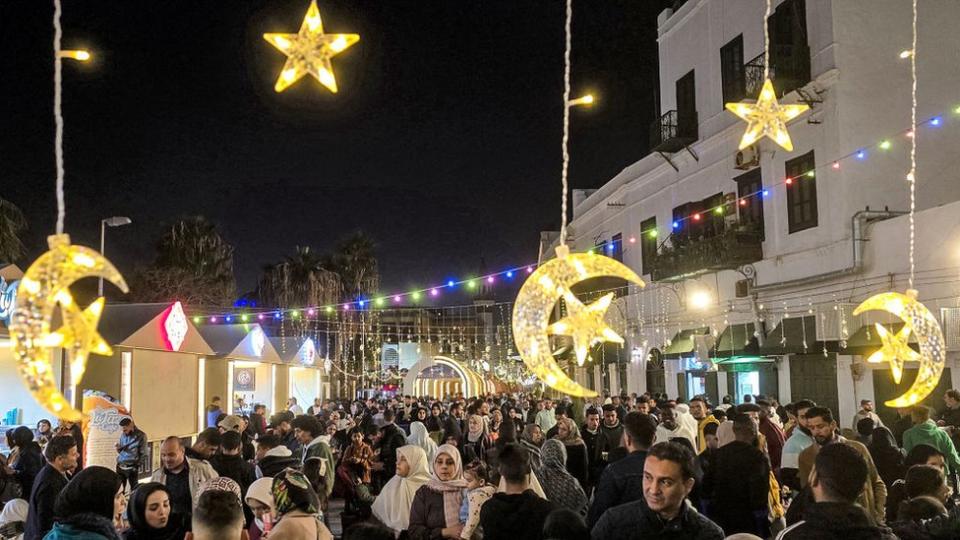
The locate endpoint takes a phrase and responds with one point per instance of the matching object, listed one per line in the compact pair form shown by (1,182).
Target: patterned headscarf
(573,436)
(452,489)
(559,485)
(292,491)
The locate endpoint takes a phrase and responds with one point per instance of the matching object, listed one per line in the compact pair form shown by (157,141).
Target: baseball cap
(230,423)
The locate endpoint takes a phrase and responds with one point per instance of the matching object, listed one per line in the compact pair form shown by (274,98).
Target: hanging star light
(309,51)
(766,118)
(585,325)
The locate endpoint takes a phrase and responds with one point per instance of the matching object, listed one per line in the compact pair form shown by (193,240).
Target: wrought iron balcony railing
(738,244)
(789,70)
(673,131)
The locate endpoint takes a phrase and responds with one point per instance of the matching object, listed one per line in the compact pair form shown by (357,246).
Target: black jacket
(512,517)
(737,485)
(272,465)
(594,467)
(28,467)
(392,439)
(46,487)
(635,521)
(835,521)
(620,483)
(236,469)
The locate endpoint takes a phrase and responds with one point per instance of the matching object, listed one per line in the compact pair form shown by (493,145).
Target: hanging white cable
(912,175)
(566,126)
(766,42)
(58,114)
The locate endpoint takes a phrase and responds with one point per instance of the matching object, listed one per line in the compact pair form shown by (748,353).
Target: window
(648,244)
(712,222)
(616,243)
(801,193)
(731,70)
(687,105)
(682,229)
(750,200)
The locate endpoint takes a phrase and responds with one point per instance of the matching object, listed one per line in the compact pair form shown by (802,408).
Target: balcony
(673,132)
(734,246)
(789,70)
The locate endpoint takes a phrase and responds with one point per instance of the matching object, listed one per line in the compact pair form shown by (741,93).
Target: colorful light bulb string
(398,299)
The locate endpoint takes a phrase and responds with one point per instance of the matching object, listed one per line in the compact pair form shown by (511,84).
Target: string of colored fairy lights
(412,299)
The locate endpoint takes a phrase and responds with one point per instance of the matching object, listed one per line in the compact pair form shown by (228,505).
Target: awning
(736,339)
(683,343)
(789,336)
(741,363)
(866,340)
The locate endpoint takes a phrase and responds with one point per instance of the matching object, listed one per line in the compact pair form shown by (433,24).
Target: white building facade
(754,260)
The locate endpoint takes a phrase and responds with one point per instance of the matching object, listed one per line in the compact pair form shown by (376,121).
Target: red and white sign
(175,326)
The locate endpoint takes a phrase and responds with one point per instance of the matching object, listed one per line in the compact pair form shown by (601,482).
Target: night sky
(443,143)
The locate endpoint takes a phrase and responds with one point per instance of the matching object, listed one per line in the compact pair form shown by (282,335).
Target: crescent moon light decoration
(918,320)
(585,324)
(44,286)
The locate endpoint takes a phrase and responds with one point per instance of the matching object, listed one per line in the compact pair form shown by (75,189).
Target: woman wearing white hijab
(13,519)
(392,506)
(419,436)
(435,511)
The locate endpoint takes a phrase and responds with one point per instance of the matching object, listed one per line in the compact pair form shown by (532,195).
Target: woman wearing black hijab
(150,515)
(88,506)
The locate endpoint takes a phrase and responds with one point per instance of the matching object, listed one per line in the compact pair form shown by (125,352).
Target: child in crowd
(478,492)
(354,472)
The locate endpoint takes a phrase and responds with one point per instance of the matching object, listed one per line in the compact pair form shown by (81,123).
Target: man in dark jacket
(838,477)
(131,452)
(61,455)
(622,482)
(590,432)
(29,460)
(206,445)
(391,438)
(273,457)
(611,433)
(517,512)
(282,424)
(230,463)
(662,510)
(258,424)
(737,484)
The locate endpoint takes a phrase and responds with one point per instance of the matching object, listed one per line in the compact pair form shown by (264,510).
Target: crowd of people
(501,466)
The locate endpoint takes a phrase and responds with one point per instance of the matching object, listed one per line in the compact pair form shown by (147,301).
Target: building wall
(157,410)
(103,374)
(14,393)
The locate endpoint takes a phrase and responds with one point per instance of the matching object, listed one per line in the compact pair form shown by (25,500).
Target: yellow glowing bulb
(582,100)
(309,51)
(80,55)
(700,300)
(766,118)
(907,53)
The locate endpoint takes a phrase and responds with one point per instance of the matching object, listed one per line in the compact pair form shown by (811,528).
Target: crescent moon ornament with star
(917,320)
(44,286)
(584,323)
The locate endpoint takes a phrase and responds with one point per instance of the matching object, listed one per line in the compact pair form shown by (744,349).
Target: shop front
(245,369)
(304,375)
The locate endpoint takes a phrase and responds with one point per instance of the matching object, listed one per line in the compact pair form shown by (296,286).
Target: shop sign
(8,298)
(245,379)
(175,326)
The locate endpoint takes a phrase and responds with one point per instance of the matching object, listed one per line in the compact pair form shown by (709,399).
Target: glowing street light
(584,100)
(79,54)
(700,300)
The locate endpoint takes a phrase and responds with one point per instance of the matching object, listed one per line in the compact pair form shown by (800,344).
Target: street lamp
(78,54)
(115,221)
(583,100)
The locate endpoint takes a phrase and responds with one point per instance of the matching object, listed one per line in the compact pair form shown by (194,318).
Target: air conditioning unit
(748,158)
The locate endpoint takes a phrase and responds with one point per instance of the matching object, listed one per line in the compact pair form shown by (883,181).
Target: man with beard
(283,428)
(622,482)
(823,428)
(206,445)
(700,410)
(772,433)
(799,440)
(670,426)
(590,432)
(182,475)
(611,433)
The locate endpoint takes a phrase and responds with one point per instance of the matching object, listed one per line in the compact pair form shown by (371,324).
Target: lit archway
(471,383)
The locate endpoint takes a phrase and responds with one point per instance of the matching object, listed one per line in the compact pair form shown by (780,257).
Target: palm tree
(355,262)
(299,281)
(193,262)
(12,223)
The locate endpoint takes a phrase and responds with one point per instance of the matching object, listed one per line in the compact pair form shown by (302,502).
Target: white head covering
(686,419)
(261,490)
(419,436)
(13,511)
(392,506)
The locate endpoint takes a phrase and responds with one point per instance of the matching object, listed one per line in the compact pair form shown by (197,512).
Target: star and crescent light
(766,118)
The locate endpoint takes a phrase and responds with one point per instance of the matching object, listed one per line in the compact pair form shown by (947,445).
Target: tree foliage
(12,223)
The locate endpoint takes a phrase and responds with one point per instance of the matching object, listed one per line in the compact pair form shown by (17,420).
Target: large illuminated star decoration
(895,349)
(79,333)
(585,325)
(309,51)
(766,118)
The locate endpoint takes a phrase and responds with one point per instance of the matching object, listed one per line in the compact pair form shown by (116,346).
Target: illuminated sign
(308,353)
(257,341)
(8,297)
(175,326)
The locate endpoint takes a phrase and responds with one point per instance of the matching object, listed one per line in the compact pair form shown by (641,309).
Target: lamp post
(115,221)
